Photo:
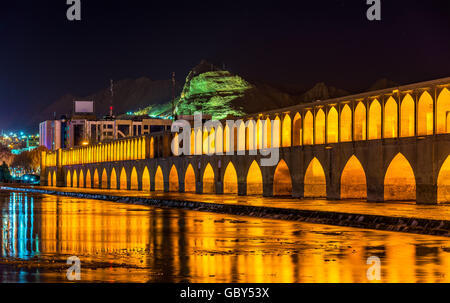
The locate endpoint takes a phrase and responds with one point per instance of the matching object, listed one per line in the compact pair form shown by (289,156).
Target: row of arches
(375,118)
(399,180)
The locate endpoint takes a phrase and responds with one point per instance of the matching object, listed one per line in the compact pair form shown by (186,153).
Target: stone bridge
(384,145)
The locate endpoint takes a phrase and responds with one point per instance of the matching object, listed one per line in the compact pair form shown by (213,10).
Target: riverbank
(368,221)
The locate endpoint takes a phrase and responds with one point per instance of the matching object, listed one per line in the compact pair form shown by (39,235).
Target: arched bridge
(384,145)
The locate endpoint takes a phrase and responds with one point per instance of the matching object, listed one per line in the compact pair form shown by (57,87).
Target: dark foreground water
(127,243)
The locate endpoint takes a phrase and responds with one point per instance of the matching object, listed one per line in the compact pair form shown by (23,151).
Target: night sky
(44,56)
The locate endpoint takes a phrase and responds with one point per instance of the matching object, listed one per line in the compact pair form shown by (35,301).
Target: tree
(29,161)
(5,154)
(5,175)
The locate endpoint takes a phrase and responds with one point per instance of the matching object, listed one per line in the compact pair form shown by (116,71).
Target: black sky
(44,56)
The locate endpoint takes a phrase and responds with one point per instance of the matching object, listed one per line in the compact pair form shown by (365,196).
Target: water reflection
(120,242)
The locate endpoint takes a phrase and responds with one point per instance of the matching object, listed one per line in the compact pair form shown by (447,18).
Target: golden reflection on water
(121,242)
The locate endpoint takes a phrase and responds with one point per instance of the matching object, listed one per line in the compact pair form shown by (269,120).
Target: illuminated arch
(315,184)
(425,115)
(407,117)
(276,129)
(146,179)
(159,179)
(241,136)
(192,143)
(375,120)
(113,179)
(205,141)
(353,180)
(81,180)
(104,179)
(88,179)
(75,179)
(390,118)
(96,179)
(443,112)
(230,182)
(308,129)
(332,125)
(189,179)
(123,179)
(49,179)
(198,141)
(152,148)
(267,133)
(320,127)
(134,185)
(443,182)
(346,124)
(282,182)
(218,142)
(399,181)
(173,179)
(212,141)
(259,134)
(360,122)
(254,180)
(297,124)
(208,180)
(250,142)
(286,131)
(54,179)
(68,179)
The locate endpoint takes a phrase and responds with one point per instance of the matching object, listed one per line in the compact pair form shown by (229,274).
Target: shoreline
(365,221)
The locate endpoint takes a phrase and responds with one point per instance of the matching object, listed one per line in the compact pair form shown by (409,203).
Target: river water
(118,242)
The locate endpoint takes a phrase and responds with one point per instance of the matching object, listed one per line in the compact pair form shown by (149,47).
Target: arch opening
(208,180)
(407,117)
(315,185)
(353,180)
(173,179)
(230,181)
(123,179)
(104,179)
(146,180)
(159,179)
(282,182)
(189,179)
(113,179)
(254,180)
(134,183)
(399,181)
(443,182)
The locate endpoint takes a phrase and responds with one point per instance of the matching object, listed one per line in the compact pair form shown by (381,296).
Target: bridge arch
(189,179)
(113,179)
(360,122)
(81,179)
(54,181)
(425,115)
(315,184)
(286,131)
(123,179)
(407,113)
(88,179)
(346,124)
(159,179)
(399,180)
(443,182)
(75,179)
(320,127)
(390,118)
(443,112)
(104,179)
(353,180)
(230,180)
(297,132)
(96,179)
(308,138)
(173,179)
(332,125)
(254,179)
(146,179)
(68,179)
(375,120)
(208,180)
(282,181)
(134,183)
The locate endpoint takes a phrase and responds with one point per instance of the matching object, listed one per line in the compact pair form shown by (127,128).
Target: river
(117,242)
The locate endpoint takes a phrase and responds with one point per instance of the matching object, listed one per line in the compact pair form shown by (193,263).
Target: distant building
(82,130)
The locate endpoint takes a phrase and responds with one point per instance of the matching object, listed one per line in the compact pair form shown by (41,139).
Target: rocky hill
(207,88)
